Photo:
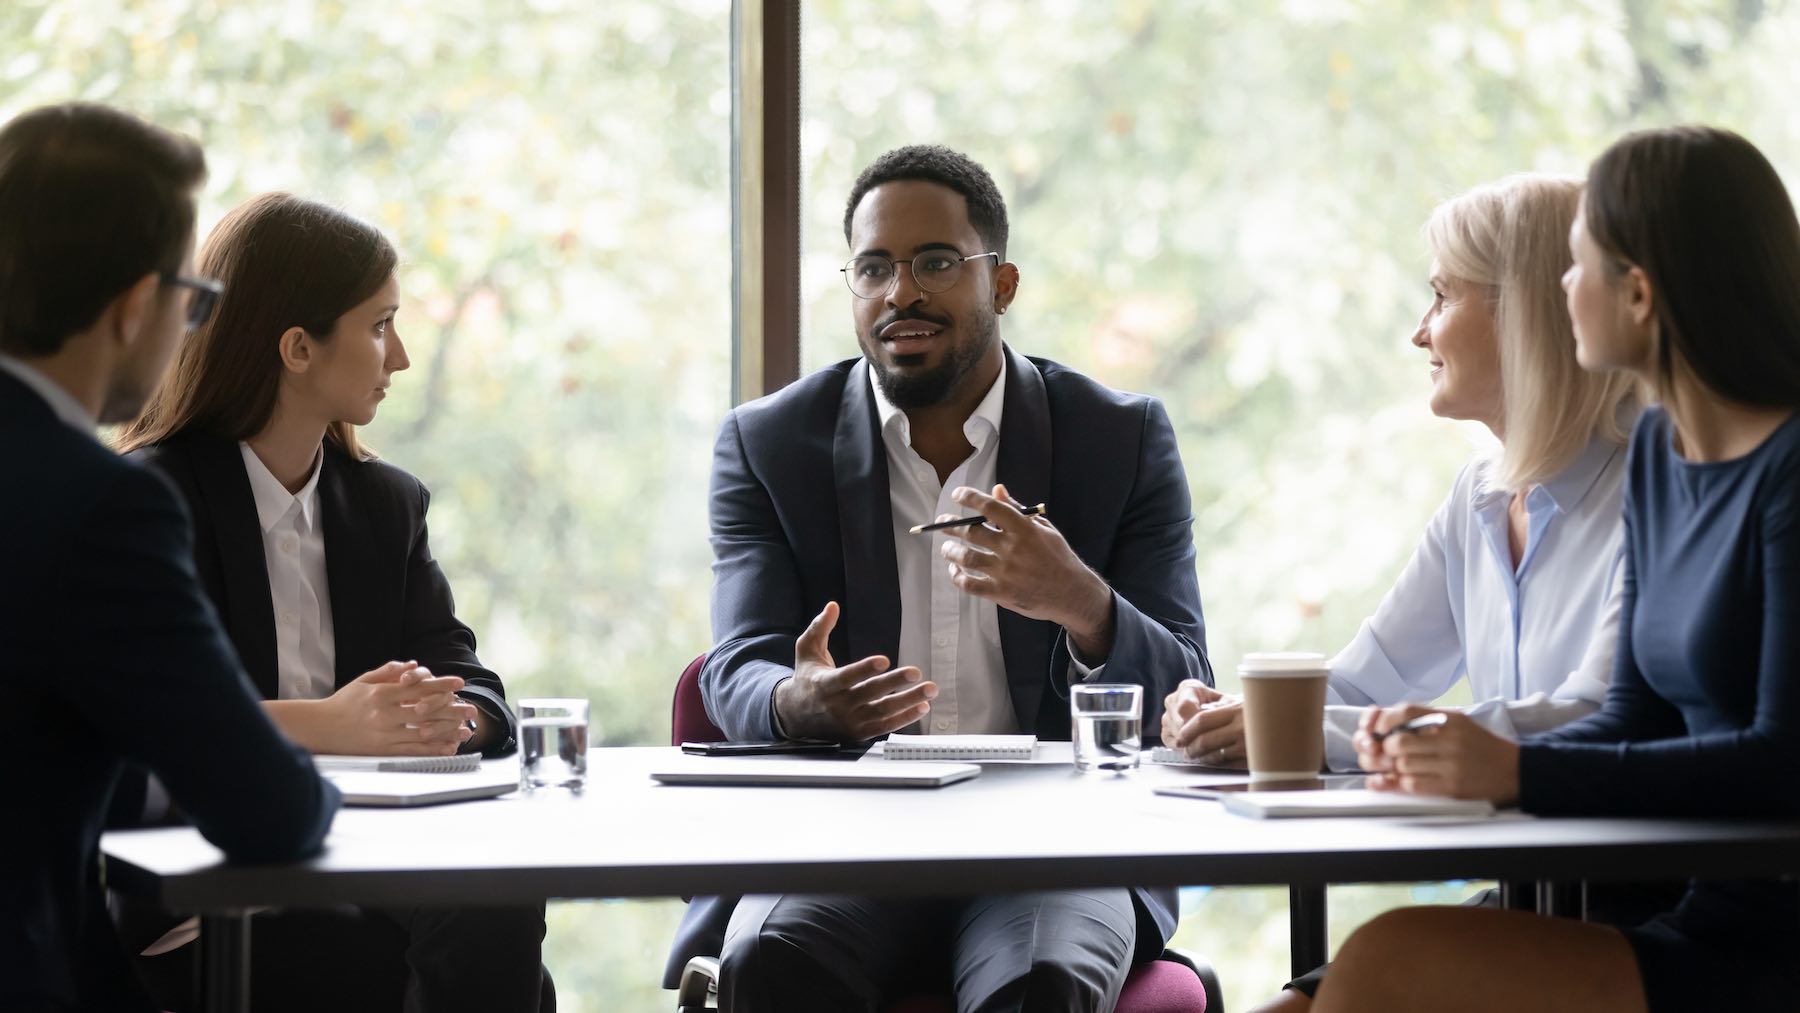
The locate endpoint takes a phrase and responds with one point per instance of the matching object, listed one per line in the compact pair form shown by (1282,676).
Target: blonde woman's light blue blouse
(1536,642)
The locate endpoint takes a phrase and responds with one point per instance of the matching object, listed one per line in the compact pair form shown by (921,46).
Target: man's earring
(999,309)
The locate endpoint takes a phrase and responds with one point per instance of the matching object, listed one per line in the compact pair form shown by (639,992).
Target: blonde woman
(1685,256)
(1515,585)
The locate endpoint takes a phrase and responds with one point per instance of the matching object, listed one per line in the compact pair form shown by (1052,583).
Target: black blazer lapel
(1024,468)
(870,621)
(243,595)
(350,565)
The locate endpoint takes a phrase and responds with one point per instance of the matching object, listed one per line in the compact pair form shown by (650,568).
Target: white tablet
(1353,802)
(815,773)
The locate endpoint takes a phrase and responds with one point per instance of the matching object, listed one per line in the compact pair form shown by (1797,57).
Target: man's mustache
(895,318)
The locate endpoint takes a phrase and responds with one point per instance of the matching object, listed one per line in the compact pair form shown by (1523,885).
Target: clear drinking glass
(1108,725)
(553,744)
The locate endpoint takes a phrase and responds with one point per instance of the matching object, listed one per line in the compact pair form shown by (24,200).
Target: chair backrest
(688,720)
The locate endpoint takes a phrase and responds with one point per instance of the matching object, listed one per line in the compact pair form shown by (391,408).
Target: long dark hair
(1705,216)
(285,262)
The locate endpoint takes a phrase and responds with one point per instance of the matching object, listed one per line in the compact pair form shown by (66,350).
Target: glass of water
(1108,725)
(553,744)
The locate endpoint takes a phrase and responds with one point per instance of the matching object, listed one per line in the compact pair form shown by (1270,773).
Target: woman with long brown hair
(315,554)
(1686,274)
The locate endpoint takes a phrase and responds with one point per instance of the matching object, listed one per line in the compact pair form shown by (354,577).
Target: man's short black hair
(91,200)
(935,163)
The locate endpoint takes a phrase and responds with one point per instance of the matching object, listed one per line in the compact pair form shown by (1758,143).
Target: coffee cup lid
(1279,663)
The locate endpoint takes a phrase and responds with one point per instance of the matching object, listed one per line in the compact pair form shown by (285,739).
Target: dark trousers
(417,960)
(1043,952)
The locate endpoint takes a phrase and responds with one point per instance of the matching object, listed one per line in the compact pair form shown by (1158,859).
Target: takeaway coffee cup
(1284,714)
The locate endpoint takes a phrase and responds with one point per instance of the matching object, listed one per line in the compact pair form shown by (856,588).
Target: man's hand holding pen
(1023,564)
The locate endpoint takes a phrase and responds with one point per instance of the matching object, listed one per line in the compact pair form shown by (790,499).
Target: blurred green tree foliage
(1212,201)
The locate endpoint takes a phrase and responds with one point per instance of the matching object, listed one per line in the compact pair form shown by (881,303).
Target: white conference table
(1017,827)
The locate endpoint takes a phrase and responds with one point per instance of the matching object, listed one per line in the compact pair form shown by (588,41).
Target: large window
(556,178)
(1220,204)
(1217,203)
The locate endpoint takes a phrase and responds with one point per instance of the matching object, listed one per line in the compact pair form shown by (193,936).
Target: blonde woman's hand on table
(1204,724)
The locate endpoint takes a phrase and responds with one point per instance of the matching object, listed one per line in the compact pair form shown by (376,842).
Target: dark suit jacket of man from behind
(801,515)
(110,653)
(389,599)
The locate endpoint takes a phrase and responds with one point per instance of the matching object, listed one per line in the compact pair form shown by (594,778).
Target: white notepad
(959,747)
(1351,802)
(462,763)
(374,788)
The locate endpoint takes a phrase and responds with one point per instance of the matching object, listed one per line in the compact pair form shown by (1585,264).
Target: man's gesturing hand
(855,702)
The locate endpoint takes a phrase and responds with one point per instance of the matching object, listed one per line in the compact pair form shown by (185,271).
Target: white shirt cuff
(1079,672)
(1340,725)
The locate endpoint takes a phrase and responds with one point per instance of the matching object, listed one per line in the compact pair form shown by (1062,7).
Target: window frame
(765,197)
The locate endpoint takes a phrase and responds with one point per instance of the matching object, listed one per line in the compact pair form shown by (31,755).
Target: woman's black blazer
(389,599)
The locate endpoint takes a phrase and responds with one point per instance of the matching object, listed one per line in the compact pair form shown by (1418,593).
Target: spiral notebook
(959,747)
(403,790)
(459,764)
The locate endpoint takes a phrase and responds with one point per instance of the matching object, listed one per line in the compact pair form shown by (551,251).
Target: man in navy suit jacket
(821,591)
(109,652)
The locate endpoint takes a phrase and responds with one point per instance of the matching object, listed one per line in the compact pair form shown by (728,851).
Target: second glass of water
(553,744)
(1108,725)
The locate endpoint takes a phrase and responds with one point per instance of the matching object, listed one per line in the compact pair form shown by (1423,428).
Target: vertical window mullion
(765,201)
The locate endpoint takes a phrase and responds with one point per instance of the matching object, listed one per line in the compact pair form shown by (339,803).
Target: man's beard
(914,389)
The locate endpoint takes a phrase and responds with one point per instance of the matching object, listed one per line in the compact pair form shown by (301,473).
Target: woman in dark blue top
(1687,274)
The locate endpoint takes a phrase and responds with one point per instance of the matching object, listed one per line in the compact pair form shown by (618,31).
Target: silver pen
(1417,724)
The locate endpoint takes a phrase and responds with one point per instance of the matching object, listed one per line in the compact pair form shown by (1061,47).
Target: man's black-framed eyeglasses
(871,277)
(206,296)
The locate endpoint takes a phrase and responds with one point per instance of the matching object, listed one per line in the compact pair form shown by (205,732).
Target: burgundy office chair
(1172,983)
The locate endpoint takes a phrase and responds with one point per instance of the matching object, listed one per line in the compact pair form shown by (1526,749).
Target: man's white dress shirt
(953,637)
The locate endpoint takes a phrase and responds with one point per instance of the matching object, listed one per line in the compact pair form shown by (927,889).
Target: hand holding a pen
(1444,752)
(1022,563)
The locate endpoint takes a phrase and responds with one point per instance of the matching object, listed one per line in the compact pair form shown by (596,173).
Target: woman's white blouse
(294,552)
(1536,644)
